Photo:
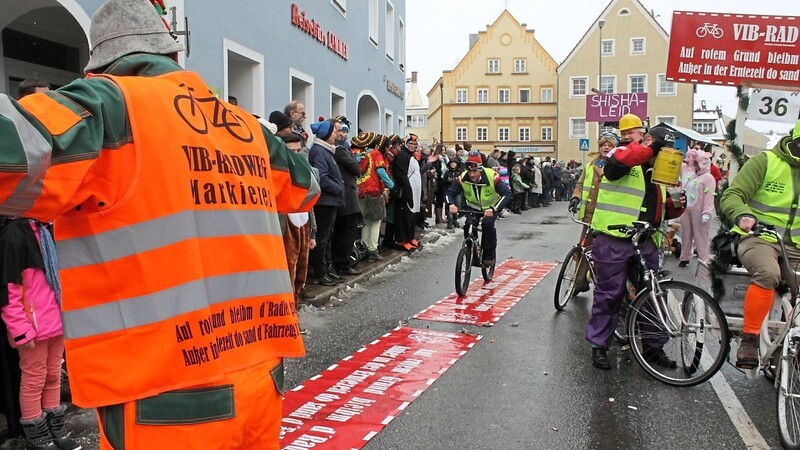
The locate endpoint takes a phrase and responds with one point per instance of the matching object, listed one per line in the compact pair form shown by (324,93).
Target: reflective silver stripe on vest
(37,154)
(768,209)
(794,233)
(313,190)
(617,209)
(621,189)
(156,233)
(168,303)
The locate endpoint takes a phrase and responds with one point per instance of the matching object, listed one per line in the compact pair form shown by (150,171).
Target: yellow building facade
(501,94)
(625,51)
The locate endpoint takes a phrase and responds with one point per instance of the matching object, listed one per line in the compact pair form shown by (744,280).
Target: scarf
(50,261)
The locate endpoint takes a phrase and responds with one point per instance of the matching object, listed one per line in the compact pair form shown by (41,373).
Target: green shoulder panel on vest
(283,159)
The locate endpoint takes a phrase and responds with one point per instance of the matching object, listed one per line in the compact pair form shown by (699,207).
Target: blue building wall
(265,27)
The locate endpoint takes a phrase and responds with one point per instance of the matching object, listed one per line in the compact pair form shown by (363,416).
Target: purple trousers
(614,261)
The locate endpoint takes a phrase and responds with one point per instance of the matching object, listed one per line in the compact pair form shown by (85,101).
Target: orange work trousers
(241,411)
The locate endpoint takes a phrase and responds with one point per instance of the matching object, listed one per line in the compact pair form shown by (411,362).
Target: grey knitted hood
(122,27)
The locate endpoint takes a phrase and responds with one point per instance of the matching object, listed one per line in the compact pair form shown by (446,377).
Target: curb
(322,294)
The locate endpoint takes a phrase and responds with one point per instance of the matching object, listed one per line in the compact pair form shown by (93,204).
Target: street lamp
(600,24)
(441,112)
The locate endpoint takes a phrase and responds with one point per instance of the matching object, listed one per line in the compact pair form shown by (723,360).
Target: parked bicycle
(471,253)
(680,318)
(779,358)
(578,256)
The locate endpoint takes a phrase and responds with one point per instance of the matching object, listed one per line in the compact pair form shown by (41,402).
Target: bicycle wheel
(565,284)
(463,268)
(681,338)
(789,394)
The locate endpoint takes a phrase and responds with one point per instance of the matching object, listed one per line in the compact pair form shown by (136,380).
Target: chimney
(413,77)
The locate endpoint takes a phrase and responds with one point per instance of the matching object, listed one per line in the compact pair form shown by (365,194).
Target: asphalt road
(529,383)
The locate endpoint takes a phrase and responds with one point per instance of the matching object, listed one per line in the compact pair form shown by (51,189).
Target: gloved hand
(705,218)
(656,146)
(573,204)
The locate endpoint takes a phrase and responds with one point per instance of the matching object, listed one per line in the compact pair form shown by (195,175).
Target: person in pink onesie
(700,187)
(31,309)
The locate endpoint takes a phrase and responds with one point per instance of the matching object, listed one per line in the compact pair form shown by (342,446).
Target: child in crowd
(30,296)
(518,187)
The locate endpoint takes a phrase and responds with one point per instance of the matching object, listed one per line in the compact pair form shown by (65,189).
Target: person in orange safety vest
(177,304)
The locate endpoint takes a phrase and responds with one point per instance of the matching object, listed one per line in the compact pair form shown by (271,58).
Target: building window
(637,46)
(390,31)
(494,66)
(503,96)
(401,46)
(524,95)
(547,95)
(502,134)
(578,86)
(461,133)
(524,134)
(577,128)
(669,120)
(704,127)
(637,84)
(624,12)
(340,5)
(607,47)
(461,96)
(520,65)
(547,133)
(481,134)
(417,120)
(483,95)
(665,87)
(373,21)
(608,84)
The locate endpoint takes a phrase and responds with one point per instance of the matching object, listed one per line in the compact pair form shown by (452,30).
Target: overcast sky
(438,32)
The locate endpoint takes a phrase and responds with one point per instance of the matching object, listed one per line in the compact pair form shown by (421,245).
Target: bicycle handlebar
(573,215)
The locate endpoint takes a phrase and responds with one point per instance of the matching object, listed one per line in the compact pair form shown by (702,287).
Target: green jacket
(736,198)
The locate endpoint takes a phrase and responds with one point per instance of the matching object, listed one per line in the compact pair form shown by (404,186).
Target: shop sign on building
(734,49)
(315,30)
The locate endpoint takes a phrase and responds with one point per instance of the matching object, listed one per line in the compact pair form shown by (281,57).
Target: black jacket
(350,172)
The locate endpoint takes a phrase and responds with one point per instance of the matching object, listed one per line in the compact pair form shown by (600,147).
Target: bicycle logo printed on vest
(190,109)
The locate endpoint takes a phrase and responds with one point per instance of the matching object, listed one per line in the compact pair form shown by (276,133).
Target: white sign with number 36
(774,106)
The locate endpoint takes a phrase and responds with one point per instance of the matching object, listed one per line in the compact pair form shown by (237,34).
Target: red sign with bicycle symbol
(734,49)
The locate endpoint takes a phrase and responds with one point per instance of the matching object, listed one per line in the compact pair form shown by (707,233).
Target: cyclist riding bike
(764,192)
(626,195)
(483,190)
(584,199)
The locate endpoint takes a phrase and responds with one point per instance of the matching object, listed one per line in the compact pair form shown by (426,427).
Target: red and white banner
(486,303)
(350,402)
(734,49)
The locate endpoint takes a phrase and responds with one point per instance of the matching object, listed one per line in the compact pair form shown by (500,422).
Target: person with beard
(408,194)
(584,200)
(348,217)
(764,192)
(627,195)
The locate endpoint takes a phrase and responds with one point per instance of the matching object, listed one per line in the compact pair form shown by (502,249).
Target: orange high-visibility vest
(173,270)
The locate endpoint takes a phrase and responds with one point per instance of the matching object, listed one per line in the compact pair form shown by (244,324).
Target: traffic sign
(584,146)
(775,106)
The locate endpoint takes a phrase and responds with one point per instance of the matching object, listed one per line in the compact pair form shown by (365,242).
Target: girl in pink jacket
(30,296)
(700,188)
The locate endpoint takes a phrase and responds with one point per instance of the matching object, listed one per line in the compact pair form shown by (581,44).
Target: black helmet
(663,135)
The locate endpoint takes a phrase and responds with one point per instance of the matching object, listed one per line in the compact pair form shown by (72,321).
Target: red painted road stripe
(351,402)
(486,303)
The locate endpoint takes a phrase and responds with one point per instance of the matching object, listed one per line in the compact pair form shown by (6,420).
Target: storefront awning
(689,133)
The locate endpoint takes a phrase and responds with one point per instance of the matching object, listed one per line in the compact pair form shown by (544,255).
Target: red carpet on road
(486,303)
(350,402)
